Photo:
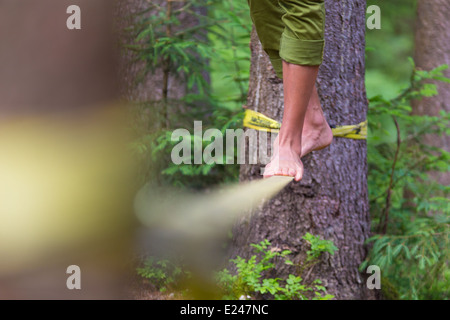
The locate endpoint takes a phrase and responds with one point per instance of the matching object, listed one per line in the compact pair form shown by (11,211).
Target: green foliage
(175,172)
(230,73)
(410,211)
(388,290)
(318,246)
(161,41)
(251,279)
(387,70)
(163,274)
(214,47)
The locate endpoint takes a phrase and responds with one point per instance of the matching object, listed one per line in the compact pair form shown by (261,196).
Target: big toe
(298,174)
(268,172)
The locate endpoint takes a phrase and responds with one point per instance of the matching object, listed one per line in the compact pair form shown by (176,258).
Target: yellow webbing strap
(258,121)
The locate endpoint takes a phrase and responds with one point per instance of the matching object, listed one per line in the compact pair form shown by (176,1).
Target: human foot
(316,136)
(298,87)
(316,132)
(285,162)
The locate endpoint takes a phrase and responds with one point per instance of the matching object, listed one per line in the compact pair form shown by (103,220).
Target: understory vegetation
(410,210)
(250,280)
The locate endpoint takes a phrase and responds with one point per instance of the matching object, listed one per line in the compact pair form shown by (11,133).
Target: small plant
(249,281)
(410,210)
(163,274)
(210,61)
(318,246)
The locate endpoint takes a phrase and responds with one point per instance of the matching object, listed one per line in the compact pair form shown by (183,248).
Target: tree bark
(332,199)
(432,49)
(151,87)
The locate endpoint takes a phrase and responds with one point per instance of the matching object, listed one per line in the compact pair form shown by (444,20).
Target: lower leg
(316,133)
(298,84)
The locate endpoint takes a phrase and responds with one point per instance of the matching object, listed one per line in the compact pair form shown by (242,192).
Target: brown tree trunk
(58,88)
(331,200)
(157,95)
(150,87)
(45,71)
(432,49)
(161,84)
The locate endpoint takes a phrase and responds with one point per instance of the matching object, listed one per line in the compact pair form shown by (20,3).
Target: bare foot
(285,162)
(316,133)
(304,127)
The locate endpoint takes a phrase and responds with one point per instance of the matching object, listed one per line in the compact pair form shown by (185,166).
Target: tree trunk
(432,49)
(151,87)
(45,71)
(157,94)
(332,199)
(57,96)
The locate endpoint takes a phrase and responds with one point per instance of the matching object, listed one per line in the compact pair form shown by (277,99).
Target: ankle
(290,145)
(314,117)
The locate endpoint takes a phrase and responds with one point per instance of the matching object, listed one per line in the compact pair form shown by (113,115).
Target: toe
(268,172)
(278,172)
(292,172)
(299,173)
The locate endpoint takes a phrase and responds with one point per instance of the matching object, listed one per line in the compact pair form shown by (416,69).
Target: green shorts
(290,30)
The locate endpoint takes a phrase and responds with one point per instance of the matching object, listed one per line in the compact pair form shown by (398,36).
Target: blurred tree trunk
(162,83)
(432,49)
(332,198)
(158,94)
(58,86)
(45,71)
(151,87)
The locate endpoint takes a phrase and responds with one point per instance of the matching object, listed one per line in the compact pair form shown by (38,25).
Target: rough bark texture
(332,199)
(432,49)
